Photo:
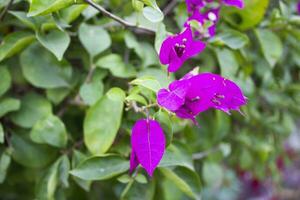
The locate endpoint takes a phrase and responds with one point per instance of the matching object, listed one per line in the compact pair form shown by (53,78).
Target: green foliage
(73,82)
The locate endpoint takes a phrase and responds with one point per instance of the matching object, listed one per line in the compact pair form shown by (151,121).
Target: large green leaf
(148,82)
(185,179)
(248,17)
(232,38)
(50,130)
(228,63)
(2,134)
(271,45)
(114,63)
(33,108)
(14,43)
(8,105)
(5,160)
(137,191)
(56,41)
(5,80)
(101,168)
(43,7)
(30,154)
(94,39)
(43,70)
(177,155)
(103,120)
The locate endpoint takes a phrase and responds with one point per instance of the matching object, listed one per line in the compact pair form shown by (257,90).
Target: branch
(118,19)
(170,7)
(2,15)
(200,155)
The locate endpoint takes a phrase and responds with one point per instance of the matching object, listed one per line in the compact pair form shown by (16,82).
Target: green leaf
(33,108)
(71,13)
(148,82)
(8,105)
(115,64)
(185,179)
(177,155)
(136,97)
(2,134)
(43,70)
(77,158)
(164,119)
(91,92)
(43,7)
(33,23)
(228,63)
(4,164)
(48,183)
(94,39)
(101,168)
(248,17)
(103,121)
(271,45)
(63,170)
(5,80)
(30,154)
(152,14)
(136,191)
(212,174)
(14,43)
(232,38)
(160,36)
(55,41)
(50,130)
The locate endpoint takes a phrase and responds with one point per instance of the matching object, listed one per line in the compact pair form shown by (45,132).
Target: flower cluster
(176,49)
(192,94)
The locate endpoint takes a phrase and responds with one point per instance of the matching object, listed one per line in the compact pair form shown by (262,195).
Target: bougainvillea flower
(176,49)
(299,7)
(211,16)
(193,5)
(236,3)
(148,145)
(204,91)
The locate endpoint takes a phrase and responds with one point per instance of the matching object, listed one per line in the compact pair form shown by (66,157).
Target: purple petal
(299,7)
(236,3)
(194,4)
(175,50)
(148,142)
(133,161)
(186,114)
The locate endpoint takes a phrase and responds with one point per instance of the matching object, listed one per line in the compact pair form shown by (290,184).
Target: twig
(170,7)
(2,15)
(200,155)
(118,19)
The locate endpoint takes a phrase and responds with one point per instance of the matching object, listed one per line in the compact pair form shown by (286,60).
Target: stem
(200,155)
(118,19)
(170,6)
(2,15)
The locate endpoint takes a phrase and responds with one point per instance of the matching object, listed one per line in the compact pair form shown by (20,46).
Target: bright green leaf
(148,82)
(43,7)
(101,168)
(115,64)
(50,130)
(4,164)
(94,39)
(103,120)
(271,45)
(5,80)
(228,63)
(8,105)
(55,41)
(14,43)
(43,70)
(33,108)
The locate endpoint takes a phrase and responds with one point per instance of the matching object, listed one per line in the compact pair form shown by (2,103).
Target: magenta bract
(202,92)
(236,3)
(195,5)
(176,49)
(148,145)
(298,7)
